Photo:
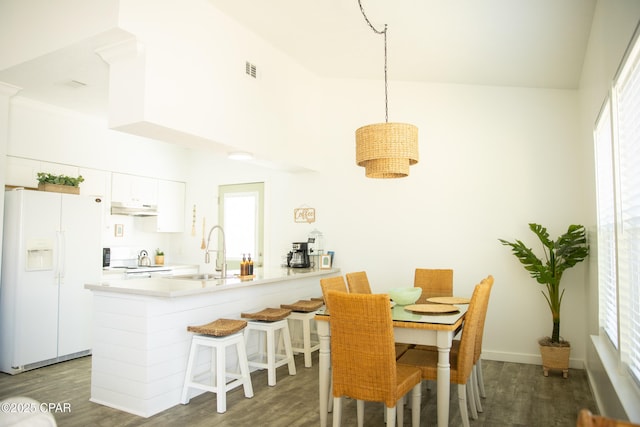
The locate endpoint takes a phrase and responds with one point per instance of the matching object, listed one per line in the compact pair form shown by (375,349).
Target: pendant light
(386,150)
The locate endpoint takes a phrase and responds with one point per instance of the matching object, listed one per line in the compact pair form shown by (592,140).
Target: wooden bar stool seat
(303,313)
(270,321)
(218,336)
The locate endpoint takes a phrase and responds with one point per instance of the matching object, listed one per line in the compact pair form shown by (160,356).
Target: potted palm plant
(565,252)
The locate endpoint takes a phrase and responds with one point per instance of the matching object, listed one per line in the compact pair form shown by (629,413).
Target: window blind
(607,288)
(628,94)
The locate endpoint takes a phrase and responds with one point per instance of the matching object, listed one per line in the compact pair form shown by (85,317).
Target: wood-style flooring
(517,395)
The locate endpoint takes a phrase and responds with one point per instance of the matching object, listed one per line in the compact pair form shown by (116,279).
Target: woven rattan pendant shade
(386,150)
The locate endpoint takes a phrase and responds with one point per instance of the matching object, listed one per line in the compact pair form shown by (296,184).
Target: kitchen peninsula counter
(170,287)
(140,340)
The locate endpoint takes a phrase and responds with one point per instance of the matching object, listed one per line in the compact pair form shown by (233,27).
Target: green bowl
(405,296)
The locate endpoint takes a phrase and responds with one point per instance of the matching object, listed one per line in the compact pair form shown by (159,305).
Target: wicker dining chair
(476,373)
(434,283)
(462,361)
(363,358)
(336,283)
(587,419)
(358,283)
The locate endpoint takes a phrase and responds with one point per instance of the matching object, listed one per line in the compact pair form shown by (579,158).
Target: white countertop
(174,287)
(151,268)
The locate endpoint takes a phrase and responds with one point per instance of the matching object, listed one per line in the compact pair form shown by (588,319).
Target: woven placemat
(432,308)
(449,300)
(268,314)
(317,299)
(219,328)
(304,306)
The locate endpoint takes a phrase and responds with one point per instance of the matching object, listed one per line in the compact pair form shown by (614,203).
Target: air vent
(250,69)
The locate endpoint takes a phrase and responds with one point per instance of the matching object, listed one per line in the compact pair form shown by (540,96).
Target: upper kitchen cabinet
(134,190)
(24,172)
(171,207)
(96,182)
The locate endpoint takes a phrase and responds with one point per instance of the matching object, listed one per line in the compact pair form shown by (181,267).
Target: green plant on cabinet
(47,178)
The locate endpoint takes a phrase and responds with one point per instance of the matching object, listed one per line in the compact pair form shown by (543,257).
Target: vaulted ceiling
(526,43)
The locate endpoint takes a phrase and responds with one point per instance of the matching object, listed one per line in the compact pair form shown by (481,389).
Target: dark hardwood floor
(517,395)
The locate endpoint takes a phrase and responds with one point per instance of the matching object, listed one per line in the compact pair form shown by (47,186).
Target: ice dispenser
(39,255)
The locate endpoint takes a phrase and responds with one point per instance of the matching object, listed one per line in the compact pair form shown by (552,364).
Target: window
(608,294)
(617,152)
(241,214)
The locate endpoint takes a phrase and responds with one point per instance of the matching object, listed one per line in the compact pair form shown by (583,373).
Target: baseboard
(530,359)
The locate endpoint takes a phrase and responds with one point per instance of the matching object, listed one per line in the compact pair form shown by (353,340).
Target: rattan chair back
(363,356)
(336,283)
(358,283)
(483,316)
(477,306)
(587,419)
(434,283)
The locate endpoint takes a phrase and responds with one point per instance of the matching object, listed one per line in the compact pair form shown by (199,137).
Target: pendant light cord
(386,84)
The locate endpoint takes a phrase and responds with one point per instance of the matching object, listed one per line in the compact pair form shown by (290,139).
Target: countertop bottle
(249,266)
(243,266)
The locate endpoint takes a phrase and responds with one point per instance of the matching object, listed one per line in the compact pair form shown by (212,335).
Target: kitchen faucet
(207,258)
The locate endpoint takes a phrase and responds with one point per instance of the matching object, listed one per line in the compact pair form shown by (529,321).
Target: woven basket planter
(57,188)
(556,358)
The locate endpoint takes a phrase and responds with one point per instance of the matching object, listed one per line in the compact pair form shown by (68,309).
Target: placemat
(448,300)
(431,308)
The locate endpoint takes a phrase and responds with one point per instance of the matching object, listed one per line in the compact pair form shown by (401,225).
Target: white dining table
(410,328)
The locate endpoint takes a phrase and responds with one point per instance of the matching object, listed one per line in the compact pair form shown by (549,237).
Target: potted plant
(59,183)
(159,257)
(565,252)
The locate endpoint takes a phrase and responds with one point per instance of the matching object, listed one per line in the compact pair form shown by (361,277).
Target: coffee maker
(299,255)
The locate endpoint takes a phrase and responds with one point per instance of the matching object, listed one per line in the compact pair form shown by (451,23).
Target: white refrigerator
(50,250)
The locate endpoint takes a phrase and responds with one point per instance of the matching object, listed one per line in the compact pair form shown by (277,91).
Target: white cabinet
(24,172)
(171,204)
(134,190)
(96,182)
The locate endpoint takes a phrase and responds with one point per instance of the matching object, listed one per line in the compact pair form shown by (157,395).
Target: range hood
(120,208)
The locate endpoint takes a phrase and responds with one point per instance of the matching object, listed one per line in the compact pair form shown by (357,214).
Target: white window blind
(607,287)
(627,89)
(617,152)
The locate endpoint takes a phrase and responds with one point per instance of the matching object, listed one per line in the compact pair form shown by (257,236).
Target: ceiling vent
(250,69)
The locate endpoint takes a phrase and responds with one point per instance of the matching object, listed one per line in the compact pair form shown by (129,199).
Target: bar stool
(304,311)
(270,321)
(218,335)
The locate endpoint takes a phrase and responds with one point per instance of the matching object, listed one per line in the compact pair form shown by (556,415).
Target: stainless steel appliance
(143,259)
(106,257)
(299,255)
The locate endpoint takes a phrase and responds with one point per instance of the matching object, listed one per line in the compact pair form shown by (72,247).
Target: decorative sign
(307,215)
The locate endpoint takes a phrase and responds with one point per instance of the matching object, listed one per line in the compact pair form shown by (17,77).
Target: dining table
(409,327)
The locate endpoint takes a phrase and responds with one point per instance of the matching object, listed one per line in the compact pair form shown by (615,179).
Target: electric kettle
(143,259)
